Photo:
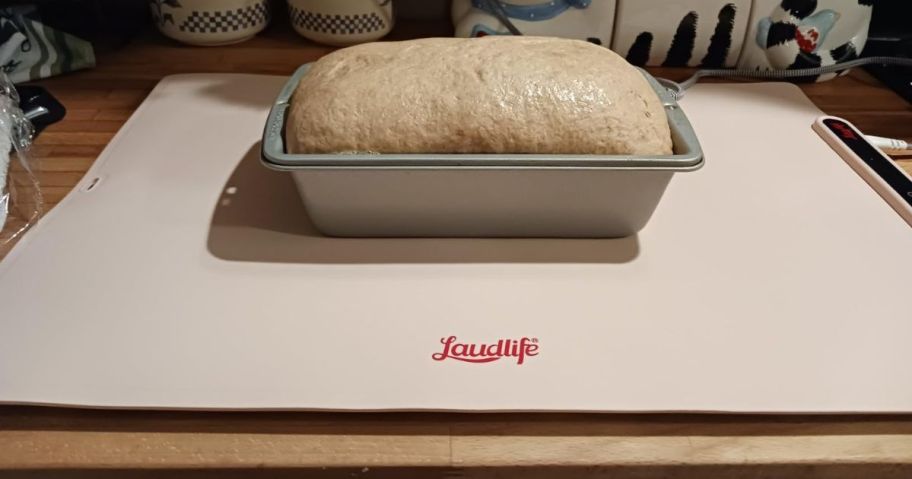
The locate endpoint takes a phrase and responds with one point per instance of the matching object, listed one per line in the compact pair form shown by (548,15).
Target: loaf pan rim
(273,148)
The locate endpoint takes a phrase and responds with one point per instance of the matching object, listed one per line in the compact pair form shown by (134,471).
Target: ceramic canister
(210,22)
(341,22)
(677,33)
(590,20)
(805,33)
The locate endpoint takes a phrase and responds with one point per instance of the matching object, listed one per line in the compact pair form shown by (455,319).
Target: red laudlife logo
(485,353)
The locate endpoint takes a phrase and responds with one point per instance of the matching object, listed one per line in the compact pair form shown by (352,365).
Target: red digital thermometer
(883,174)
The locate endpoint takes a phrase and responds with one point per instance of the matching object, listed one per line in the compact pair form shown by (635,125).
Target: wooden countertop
(80,443)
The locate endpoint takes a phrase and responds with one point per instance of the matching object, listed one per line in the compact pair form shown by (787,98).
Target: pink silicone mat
(773,280)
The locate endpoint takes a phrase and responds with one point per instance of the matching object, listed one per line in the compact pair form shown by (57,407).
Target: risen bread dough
(497,94)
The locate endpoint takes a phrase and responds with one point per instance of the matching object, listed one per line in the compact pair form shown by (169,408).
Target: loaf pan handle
(273,145)
(273,142)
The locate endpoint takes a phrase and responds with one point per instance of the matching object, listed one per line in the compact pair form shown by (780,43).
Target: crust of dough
(496,94)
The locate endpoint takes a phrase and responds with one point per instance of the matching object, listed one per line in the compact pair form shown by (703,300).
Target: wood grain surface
(43,442)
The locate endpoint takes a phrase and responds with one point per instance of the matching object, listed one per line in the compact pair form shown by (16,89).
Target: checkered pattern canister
(216,21)
(337,24)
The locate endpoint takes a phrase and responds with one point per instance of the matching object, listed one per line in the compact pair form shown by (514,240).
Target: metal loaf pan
(490,195)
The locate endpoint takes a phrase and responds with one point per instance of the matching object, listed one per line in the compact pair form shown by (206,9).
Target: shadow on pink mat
(260,217)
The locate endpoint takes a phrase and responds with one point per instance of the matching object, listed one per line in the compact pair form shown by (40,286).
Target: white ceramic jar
(809,34)
(750,34)
(341,22)
(210,22)
(591,20)
(678,33)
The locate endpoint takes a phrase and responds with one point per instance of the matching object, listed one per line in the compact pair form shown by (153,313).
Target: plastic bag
(20,196)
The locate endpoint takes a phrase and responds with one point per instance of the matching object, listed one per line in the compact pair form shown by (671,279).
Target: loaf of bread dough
(495,94)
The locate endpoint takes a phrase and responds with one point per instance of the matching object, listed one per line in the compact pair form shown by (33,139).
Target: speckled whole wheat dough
(485,95)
